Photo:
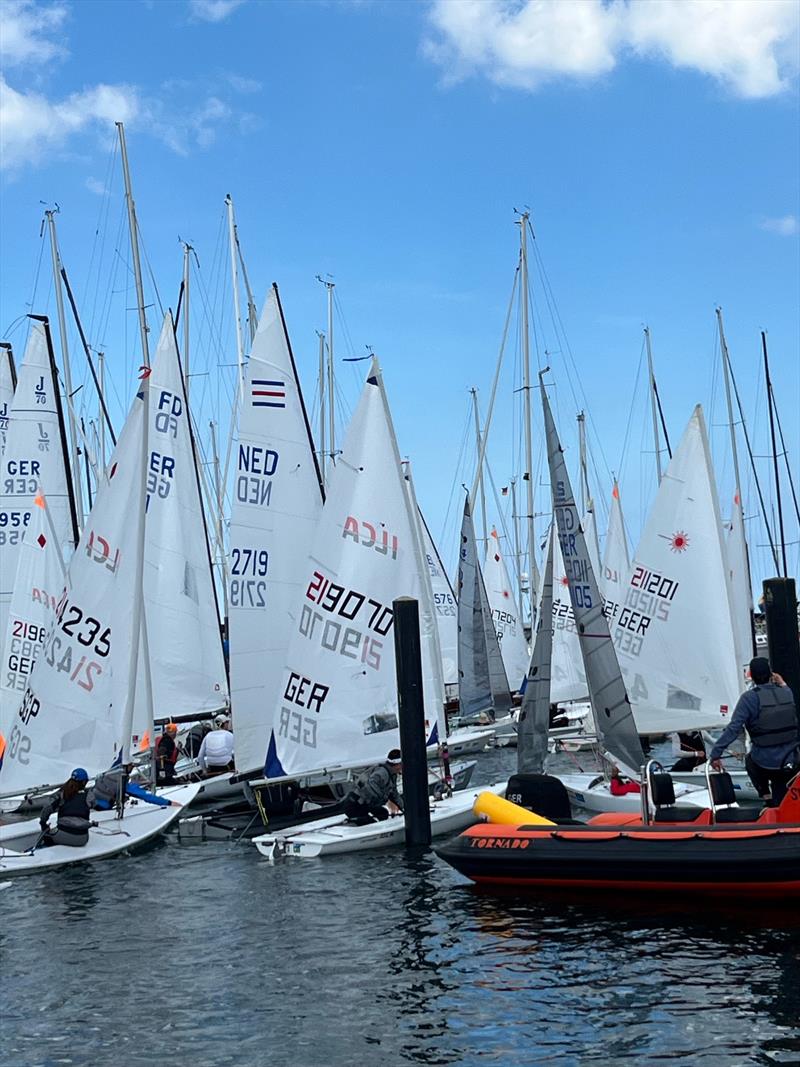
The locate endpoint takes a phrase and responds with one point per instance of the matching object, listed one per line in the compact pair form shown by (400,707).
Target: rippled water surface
(205,955)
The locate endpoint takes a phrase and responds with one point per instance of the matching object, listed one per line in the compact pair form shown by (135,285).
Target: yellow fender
(499,810)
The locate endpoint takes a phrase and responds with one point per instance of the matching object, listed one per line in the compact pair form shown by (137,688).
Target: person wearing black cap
(768,713)
(374,789)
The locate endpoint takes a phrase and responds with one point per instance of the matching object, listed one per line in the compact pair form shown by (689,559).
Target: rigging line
(37,271)
(753,466)
(559,325)
(143,246)
(456,479)
(786,458)
(624,452)
(99,232)
(489,413)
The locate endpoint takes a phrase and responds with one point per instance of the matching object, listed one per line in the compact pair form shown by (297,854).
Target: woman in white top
(216,751)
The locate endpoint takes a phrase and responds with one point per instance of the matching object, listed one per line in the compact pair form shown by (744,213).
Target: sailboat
(505,613)
(444,601)
(339,703)
(78,706)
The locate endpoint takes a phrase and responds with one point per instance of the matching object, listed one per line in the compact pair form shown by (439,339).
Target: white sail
(6,393)
(616,558)
(75,708)
(505,615)
(672,628)
(338,703)
(37,591)
(183,632)
(277,502)
(567,676)
(610,704)
(741,598)
(534,715)
(482,681)
(33,460)
(445,604)
(589,524)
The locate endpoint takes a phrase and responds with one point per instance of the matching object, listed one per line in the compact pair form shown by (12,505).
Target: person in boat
(216,751)
(768,713)
(167,755)
(112,788)
(620,786)
(71,807)
(690,749)
(557,717)
(194,738)
(375,795)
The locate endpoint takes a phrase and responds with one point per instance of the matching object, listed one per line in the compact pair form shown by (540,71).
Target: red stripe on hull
(717,889)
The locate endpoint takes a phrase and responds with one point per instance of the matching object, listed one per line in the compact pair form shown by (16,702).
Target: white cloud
(32,127)
(94,185)
(244,85)
(24,31)
(750,46)
(784,225)
(213,10)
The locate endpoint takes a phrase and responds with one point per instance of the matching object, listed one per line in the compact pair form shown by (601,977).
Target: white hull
(112,835)
(740,779)
(466,741)
(591,792)
(334,835)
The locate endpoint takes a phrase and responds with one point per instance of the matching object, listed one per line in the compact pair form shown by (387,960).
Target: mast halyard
(479,474)
(653,408)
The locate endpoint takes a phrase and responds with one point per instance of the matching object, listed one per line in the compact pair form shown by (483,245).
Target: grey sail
(482,681)
(610,704)
(534,716)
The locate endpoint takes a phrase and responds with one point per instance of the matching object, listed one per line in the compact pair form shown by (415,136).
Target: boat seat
(662,797)
(724,805)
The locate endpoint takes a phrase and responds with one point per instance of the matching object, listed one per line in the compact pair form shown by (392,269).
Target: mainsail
(183,631)
(33,461)
(482,681)
(534,715)
(445,604)
(616,558)
(672,627)
(77,706)
(505,615)
(37,591)
(277,502)
(741,598)
(568,679)
(338,701)
(610,705)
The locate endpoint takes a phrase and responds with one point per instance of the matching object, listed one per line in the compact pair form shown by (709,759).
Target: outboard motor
(542,793)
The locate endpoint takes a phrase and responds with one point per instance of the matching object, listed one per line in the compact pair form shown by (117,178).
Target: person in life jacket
(112,788)
(374,789)
(768,713)
(72,809)
(167,755)
(619,786)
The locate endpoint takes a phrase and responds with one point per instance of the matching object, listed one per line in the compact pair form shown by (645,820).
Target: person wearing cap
(768,713)
(216,751)
(375,796)
(167,755)
(71,807)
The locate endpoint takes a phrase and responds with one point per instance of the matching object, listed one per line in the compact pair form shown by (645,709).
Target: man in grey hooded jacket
(373,790)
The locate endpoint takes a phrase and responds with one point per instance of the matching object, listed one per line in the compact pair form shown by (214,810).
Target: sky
(387,146)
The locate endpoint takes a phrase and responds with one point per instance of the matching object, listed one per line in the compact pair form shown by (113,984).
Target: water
(204,955)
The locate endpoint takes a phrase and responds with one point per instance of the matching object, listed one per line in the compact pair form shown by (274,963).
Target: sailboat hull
(717,860)
(140,823)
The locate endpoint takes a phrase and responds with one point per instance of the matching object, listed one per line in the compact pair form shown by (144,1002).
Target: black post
(408,660)
(780,608)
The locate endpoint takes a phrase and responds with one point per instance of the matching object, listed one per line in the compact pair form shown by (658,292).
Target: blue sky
(388,144)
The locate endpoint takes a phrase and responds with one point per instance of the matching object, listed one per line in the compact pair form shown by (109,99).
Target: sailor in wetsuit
(71,807)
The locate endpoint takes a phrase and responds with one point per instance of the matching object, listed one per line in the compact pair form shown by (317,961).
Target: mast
(771,403)
(235,287)
(73,511)
(134,232)
(218,523)
(101,362)
(330,286)
(517,557)
(584,475)
(479,453)
(322,404)
(187,250)
(88,353)
(653,407)
(74,462)
(526,389)
(252,313)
